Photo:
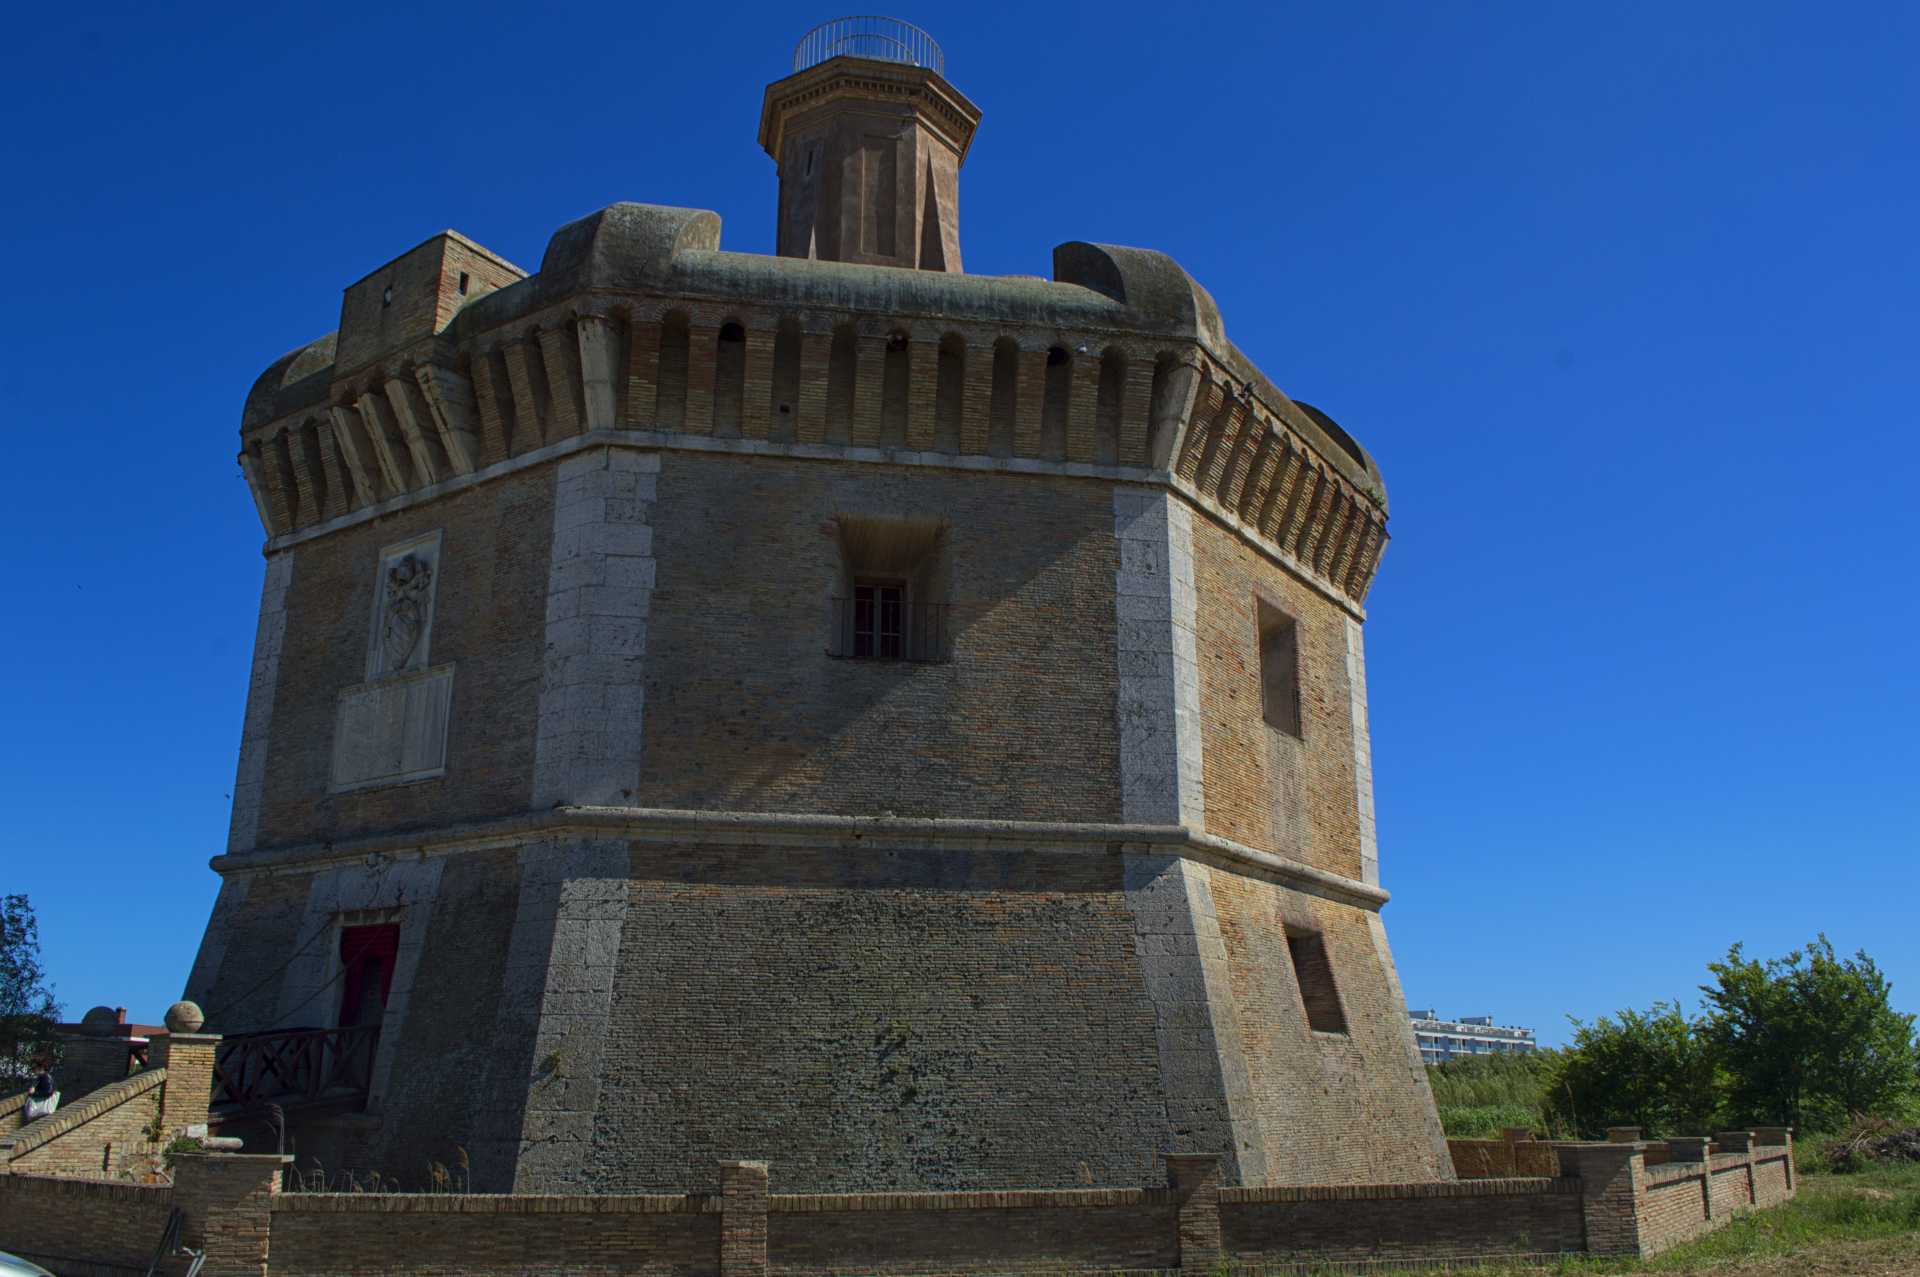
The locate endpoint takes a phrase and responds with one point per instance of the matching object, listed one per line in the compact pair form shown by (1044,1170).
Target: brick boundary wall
(81,1227)
(1605,1201)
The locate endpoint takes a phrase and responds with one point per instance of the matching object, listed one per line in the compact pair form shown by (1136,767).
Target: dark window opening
(463,283)
(878,621)
(1279,669)
(386,297)
(729,379)
(1058,392)
(1313,970)
(366,961)
(890,601)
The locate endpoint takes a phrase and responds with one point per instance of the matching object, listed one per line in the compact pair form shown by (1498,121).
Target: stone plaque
(392,731)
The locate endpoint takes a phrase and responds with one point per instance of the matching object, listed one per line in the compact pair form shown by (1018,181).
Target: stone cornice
(790,829)
(942,108)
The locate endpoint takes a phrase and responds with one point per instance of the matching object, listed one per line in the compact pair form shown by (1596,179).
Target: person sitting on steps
(43,1099)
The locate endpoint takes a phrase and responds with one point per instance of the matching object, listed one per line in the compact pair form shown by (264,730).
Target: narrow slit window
(1313,970)
(1279,669)
(463,283)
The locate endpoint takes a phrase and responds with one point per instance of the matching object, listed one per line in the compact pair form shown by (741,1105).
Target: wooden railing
(294,1067)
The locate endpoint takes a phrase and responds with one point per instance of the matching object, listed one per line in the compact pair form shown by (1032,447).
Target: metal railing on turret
(869,36)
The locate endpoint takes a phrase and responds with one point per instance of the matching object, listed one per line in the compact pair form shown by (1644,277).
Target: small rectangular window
(1279,669)
(463,283)
(878,621)
(1314,972)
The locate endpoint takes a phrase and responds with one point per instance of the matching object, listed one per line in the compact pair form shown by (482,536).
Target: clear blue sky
(1623,298)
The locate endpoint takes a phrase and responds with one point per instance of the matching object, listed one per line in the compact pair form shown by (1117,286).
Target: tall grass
(1483,1095)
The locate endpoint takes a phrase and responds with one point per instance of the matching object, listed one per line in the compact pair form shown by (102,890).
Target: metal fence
(869,36)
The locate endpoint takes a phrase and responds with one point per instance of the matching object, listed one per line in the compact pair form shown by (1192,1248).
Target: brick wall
(76,1225)
(488,622)
(1683,1199)
(1293,795)
(661,1236)
(746,711)
(1610,1203)
(103,1133)
(1127,1229)
(882,1019)
(1403,1221)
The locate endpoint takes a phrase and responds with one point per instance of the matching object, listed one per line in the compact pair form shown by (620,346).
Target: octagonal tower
(903,725)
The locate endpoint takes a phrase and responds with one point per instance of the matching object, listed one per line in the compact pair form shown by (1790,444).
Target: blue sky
(1621,297)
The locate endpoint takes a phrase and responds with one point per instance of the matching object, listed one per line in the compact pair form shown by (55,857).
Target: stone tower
(904,725)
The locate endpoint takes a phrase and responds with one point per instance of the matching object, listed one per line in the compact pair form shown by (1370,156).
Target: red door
(366,956)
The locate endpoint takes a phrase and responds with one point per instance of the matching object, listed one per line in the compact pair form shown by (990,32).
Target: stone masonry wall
(1333,1108)
(488,622)
(878,1020)
(746,711)
(1266,788)
(461,1058)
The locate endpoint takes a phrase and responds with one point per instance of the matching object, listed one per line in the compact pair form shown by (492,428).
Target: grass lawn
(1866,1224)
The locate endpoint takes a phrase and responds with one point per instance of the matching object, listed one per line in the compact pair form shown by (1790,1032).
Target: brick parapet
(546,360)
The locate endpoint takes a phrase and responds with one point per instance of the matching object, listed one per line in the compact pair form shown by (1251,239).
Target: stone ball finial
(100,1020)
(184,1017)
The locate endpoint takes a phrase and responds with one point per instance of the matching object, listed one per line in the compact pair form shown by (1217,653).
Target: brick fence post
(743,1219)
(227,1199)
(1195,1181)
(187,1056)
(1612,1193)
(1741,1142)
(1778,1137)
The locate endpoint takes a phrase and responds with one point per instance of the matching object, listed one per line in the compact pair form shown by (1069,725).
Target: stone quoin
(903,727)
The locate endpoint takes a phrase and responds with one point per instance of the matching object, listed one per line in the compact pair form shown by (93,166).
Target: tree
(1650,1070)
(27,1008)
(1809,1039)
